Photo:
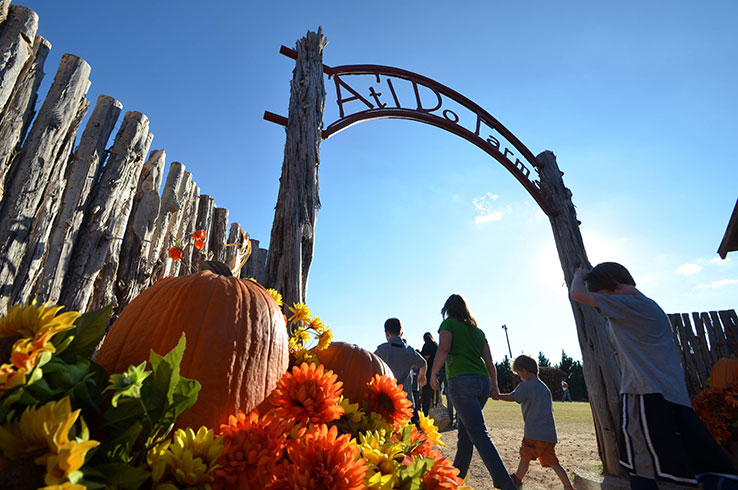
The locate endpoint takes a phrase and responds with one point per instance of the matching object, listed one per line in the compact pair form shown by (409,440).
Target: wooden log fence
(86,226)
(702,341)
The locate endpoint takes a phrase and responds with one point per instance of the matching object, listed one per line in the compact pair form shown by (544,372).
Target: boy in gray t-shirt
(539,436)
(660,435)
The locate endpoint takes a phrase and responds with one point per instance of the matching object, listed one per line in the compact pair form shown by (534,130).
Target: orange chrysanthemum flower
(163,278)
(308,395)
(252,446)
(442,475)
(420,443)
(199,234)
(321,460)
(199,244)
(386,398)
(176,253)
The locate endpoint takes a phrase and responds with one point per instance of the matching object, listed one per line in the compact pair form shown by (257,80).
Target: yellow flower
(324,339)
(381,455)
(431,431)
(300,314)
(378,481)
(27,352)
(31,321)
(70,458)
(351,411)
(252,280)
(188,459)
(203,444)
(38,428)
(302,336)
(317,325)
(10,377)
(277,297)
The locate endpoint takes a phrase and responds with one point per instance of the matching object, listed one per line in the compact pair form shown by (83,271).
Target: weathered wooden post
(82,172)
(96,253)
(134,269)
(16,117)
(41,159)
(293,230)
(601,372)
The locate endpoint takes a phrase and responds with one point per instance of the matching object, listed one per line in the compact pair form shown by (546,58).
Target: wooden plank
(219,238)
(44,142)
(293,230)
(247,271)
(30,270)
(184,219)
(4,6)
(96,253)
(729,320)
(20,108)
(601,371)
(694,384)
(82,172)
(16,47)
(711,335)
(699,346)
(721,341)
(260,260)
(205,213)
(188,266)
(173,236)
(134,270)
(168,208)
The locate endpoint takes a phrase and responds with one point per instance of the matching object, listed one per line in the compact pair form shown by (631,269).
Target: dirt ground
(576,449)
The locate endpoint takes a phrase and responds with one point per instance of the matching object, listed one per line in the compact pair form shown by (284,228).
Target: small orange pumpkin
(724,373)
(354,366)
(237,344)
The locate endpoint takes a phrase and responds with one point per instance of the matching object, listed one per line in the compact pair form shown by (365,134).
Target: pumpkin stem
(216,267)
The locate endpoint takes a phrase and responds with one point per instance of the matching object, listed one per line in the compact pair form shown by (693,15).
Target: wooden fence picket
(696,355)
(16,117)
(34,165)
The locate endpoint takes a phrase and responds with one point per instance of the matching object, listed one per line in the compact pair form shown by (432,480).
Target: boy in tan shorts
(539,439)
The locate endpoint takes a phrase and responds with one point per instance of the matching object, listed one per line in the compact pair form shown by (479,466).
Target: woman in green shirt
(472,379)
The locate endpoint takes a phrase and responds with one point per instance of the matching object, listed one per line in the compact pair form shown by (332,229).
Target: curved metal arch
(377,110)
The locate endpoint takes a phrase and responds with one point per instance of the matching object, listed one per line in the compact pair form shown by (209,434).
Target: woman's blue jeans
(469,393)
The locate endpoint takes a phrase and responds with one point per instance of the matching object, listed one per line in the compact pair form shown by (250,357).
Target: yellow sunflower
(300,314)
(30,321)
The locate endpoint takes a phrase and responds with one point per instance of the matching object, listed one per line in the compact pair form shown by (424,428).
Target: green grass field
(570,417)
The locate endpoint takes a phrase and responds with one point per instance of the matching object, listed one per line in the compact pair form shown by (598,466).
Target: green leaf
(89,330)
(166,369)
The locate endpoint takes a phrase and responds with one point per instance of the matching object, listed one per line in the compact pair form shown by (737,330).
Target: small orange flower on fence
(176,253)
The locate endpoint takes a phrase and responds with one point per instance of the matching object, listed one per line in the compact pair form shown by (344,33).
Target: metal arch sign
(382,92)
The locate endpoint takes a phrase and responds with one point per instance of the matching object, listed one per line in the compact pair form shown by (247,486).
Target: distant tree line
(567,369)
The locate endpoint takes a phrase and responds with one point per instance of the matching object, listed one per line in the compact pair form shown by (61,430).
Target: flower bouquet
(66,423)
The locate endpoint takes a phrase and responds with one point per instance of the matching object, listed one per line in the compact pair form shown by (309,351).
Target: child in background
(539,437)
(660,435)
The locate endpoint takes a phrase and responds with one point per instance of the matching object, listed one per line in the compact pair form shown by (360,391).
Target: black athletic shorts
(664,440)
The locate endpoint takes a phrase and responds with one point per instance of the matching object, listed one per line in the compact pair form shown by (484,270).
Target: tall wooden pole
(601,372)
(293,230)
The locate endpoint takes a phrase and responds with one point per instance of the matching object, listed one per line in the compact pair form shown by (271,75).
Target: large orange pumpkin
(237,344)
(354,366)
(724,373)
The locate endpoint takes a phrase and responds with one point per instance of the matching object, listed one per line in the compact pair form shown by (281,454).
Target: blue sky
(636,99)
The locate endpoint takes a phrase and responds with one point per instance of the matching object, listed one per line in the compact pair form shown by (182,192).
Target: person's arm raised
(579,291)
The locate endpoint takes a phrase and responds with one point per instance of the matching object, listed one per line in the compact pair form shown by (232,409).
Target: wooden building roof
(730,240)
